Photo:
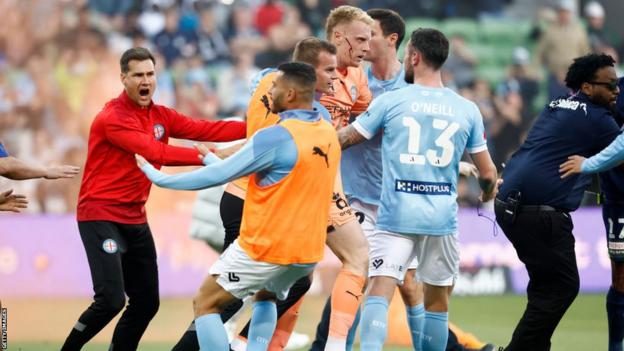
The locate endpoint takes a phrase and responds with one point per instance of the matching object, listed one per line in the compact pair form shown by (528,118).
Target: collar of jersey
(302,115)
(131,104)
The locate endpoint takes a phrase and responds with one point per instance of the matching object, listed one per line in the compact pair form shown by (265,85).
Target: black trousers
(545,244)
(231,210)
(122,259)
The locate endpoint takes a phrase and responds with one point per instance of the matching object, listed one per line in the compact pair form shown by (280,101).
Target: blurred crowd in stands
(59,64)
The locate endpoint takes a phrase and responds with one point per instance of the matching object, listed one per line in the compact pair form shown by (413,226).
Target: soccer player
(349,29)
(322,56)
(293,167)
(426,128)
(111,205)
(612,188)
(534,204)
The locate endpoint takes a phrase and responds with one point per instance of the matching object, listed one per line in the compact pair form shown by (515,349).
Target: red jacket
(113,187)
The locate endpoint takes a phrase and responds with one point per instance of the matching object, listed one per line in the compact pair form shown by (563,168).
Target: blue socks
(351,335)
(435,332)
(374,323)
(211,333)
(416,322)
(615,315)
(262,325)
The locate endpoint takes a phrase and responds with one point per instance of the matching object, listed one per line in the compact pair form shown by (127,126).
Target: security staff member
(533,204)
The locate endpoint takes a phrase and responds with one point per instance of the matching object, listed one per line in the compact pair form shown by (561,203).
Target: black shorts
(231,210)
(613,218)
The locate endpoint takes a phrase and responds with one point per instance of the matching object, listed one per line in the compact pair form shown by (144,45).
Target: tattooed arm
(349,136)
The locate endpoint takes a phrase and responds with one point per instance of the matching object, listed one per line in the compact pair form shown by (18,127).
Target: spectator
(233,85)
(461,61)
(212,45)
(242,35)
(171,42)
(600,37)
(522,80)
(267,15)
(559,45)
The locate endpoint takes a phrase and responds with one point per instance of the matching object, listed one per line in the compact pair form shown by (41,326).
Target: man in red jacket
(111,206)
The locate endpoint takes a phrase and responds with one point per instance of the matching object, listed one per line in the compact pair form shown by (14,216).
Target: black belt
(530,208)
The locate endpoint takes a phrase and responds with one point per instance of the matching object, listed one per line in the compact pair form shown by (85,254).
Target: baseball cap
(594,9)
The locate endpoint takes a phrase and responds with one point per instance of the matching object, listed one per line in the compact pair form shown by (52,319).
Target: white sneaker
(297,341)
(238,344)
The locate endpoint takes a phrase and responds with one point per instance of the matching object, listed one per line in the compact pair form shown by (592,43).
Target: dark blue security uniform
(533,207)
(612,188)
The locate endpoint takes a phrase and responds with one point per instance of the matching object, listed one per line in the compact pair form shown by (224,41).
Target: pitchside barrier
(42,256)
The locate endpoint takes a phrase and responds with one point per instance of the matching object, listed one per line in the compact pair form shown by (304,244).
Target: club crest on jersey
(353,93)
(159,131)
(110,246)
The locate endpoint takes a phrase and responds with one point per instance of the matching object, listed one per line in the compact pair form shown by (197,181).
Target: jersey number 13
(443,142)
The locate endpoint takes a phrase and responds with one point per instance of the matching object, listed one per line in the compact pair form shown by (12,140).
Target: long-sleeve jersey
(113,188)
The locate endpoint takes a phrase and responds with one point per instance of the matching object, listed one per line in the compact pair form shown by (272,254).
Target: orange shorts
(340,212)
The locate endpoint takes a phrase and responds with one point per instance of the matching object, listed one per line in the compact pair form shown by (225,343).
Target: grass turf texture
(584,326)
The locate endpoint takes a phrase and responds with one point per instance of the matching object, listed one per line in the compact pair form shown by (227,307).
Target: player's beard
(409,74)
(276,104)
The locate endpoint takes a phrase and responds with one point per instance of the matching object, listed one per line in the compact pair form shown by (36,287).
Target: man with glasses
(533,204)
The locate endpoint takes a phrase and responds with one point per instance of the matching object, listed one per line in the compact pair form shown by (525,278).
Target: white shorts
(370,220)
(242,276)
(438,257)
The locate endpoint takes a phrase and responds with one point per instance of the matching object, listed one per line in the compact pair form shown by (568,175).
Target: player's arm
(610,156)
(261,152)
(349,136)
(125,133)
(16,169)
(606,159)
(184,127)
(477,147)
(366,126)
(12,202)
(488,176)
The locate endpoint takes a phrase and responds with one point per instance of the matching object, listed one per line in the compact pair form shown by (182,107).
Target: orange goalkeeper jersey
(351,95)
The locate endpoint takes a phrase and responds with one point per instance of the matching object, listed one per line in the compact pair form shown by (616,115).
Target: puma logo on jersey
(265,101)
(317,151)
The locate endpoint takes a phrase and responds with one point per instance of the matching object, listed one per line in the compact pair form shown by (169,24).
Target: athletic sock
(435,331)
(615,315)
(345,302)
(374,323)
(285,326)
(416,321)
(211,333)
(353,330)
(262,325)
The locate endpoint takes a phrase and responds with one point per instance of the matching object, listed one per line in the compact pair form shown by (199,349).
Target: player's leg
(438,269)
(231,211)
(348,243)
(141,285)
(412,294)
(277,287)
(613,216)
(234,276)
(287,314)
(390,254)
(350,246)
(103,245)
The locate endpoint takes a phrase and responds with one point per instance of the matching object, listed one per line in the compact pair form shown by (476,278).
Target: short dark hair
(138,53)
(300,73)
(390,22)
(584,68)
(307,50)
(432,45)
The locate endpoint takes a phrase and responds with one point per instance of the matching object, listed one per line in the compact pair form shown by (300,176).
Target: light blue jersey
(425,133)
(361,164)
